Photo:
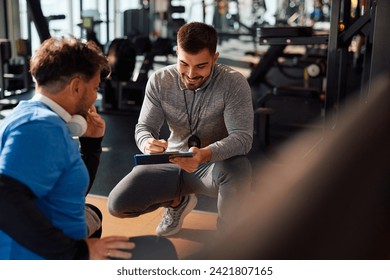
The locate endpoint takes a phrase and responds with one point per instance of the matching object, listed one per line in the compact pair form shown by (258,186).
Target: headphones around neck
(77,125)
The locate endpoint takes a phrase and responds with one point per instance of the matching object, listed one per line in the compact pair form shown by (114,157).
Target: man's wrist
(206,154)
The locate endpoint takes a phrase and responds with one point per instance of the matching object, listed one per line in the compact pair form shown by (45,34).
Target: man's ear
(215,58)
(75,85)
(177,50)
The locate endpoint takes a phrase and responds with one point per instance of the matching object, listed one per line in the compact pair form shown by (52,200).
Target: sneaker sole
(191,205)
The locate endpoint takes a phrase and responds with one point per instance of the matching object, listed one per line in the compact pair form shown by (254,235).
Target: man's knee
(123,206)
(116,209)
(126,199)
(239,165)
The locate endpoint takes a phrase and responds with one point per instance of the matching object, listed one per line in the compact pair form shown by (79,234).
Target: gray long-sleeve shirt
(221,115)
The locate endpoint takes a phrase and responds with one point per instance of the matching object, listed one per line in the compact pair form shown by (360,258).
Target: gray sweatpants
(148,187)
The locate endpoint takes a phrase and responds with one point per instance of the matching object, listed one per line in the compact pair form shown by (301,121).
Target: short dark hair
(193,37)
(56,61)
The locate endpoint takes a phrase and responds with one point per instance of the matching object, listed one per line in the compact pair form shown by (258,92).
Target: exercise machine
(296,101)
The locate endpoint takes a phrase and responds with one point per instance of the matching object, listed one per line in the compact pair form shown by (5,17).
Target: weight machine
(228,23)
(346,22)
(369,20)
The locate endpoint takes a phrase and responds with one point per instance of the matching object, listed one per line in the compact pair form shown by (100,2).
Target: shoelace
(171,214)
(167,220)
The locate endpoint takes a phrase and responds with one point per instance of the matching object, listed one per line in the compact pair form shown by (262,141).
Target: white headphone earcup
(77,125)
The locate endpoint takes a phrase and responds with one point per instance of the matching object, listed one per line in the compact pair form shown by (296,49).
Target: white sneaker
(173,218)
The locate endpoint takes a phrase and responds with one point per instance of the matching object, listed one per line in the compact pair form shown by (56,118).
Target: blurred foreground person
(333,205)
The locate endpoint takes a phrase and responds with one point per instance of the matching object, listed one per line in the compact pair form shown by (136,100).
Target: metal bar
(380,62)
(311,40)
(5,18)
(35,9)
(356,27)
(81,14)
(332,75)
(3,42)
(108,20)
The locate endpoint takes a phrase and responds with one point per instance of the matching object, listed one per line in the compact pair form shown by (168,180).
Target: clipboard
(159,158)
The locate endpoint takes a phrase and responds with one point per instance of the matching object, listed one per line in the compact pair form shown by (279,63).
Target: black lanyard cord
(189,114)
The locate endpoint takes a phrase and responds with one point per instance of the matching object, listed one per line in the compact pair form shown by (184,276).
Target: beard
(83,107)
(192,83)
